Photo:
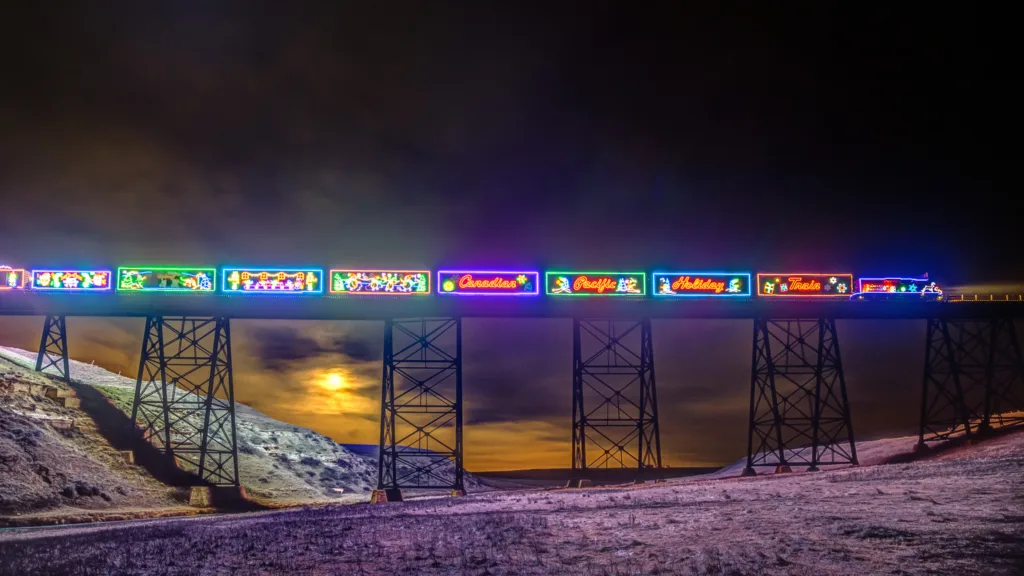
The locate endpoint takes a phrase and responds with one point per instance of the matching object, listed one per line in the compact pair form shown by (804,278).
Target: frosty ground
(958,511)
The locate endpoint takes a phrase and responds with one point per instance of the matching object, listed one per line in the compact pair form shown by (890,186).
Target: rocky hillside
(52,455)
(278,463)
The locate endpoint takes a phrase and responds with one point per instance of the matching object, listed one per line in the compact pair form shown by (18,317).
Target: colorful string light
(71,280)
(488,283)
(273,281)
(595,283)
(701,284)
(396,282)
(166,279)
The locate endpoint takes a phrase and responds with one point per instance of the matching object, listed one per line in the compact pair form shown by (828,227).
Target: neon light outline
(550,273)
(211,272)
(773,295)
(110,276)
(654,284)
(536,282)
(331,290)
(8,270)
(224,277)
(924,282)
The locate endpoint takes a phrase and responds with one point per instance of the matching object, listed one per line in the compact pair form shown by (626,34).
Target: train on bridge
(343,282)
(973,378)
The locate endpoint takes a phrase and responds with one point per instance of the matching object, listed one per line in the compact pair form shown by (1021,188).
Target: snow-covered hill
(277,462)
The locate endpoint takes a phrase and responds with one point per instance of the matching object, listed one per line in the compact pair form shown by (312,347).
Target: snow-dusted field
(958,512)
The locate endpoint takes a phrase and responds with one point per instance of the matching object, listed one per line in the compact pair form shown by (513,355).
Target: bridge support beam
(421,408)
(973,379)
(184,395)
(615,401)
(53,348)
(799,410)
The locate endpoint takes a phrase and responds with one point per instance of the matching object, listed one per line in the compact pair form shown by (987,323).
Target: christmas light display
(595,283)
(396,282)
(71,280)
(488,283)
(273,280)
(796,284)
(166,279)
(897,286)
(702,284)
(12,278)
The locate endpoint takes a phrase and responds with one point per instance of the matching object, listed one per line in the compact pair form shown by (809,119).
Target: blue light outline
(224,280)
(654,284)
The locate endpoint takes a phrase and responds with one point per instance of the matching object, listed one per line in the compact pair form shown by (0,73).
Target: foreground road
(959,512)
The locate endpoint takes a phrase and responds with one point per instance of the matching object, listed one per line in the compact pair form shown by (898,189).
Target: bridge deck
(383,307)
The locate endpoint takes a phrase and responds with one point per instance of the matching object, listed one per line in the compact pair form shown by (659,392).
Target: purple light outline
(110,285)
(536,283)
(860,285)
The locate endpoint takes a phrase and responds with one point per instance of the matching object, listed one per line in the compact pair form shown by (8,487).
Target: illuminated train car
(896,288)
(310,282)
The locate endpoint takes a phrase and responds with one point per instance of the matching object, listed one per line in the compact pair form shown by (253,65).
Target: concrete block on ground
(382,496)
(53,392)
(217,496)
(128,456)
(200,497)
(578,483)
(70,402)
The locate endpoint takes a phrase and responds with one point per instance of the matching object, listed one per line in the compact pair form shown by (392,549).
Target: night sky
(426,135)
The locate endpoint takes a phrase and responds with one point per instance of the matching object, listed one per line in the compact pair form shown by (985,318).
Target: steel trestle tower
(799,411)
(184,395)
(615,402)
(53,347)
(973,378)
(421,408)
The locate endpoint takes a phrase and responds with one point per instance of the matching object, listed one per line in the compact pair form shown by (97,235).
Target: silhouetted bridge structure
(973,373)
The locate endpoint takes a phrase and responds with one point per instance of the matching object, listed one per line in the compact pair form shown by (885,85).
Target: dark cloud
(357,349)
(283,348)
(279,348)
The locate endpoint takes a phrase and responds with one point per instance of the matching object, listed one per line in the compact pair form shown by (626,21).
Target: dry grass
(961,512)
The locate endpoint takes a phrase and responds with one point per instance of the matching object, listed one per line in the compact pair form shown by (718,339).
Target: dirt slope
(53,456)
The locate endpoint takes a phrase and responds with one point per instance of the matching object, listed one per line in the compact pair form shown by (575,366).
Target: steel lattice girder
(421,405)
(53,348)
(615,402)
(184,395)
(799,409)
(973,378)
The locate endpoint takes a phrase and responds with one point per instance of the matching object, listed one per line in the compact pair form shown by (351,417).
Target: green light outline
(547,285)
(213,279)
